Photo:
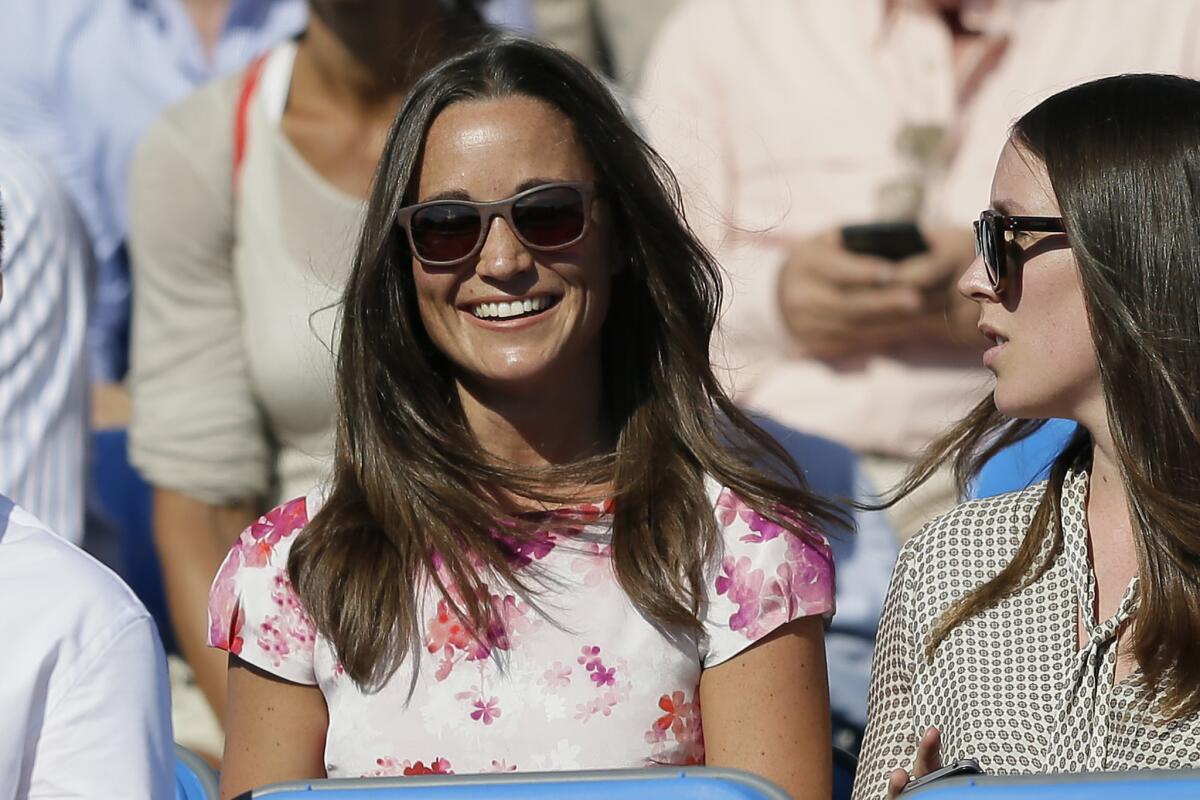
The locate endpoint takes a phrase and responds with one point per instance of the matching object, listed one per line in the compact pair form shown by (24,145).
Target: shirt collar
(1075,549)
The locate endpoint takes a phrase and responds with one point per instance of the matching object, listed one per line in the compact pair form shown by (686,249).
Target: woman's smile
(507,313)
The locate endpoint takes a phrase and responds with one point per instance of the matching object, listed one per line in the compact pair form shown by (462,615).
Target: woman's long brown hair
(1123,158)
(412,485)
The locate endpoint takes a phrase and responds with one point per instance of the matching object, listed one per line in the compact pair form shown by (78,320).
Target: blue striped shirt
(47,269)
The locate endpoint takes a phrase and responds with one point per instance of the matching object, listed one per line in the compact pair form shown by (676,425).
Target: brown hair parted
(412,486)
(1123,158)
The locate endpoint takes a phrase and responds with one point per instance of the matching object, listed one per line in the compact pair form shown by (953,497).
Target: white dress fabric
(589,685)
(85,711)
(1009,687)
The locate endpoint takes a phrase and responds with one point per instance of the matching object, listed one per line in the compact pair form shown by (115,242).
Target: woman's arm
(274,730)
(192,538)
(197,434)
(766,710)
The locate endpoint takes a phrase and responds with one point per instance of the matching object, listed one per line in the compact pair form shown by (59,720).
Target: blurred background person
(245,203)
(85,700)
(608,35)
(83,80)
(792,118)
(43,322)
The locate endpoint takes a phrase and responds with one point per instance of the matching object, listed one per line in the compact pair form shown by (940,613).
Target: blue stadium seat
(194,778)
(1151,785)
(692,783)
(1023,464)
(125,503)
(844,767)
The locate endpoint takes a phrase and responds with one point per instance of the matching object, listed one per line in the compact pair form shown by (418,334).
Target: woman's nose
(503,255)
(974,284)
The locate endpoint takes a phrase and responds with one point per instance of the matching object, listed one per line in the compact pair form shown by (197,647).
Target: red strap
(249,84)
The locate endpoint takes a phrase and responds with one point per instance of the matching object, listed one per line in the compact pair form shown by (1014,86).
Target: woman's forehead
(484,147)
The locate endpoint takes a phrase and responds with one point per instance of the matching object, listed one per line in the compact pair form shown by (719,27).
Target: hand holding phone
(964,766)
(894,241)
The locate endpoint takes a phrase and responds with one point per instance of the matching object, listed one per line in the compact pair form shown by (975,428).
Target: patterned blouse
(1008,686)
(593,686)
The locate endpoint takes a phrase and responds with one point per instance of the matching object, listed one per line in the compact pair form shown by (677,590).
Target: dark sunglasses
(443,233)
(991,240)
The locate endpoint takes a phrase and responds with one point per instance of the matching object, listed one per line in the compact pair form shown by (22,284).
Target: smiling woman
(545,545)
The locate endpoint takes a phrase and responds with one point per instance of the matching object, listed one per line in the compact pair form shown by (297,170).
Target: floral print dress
(594,686)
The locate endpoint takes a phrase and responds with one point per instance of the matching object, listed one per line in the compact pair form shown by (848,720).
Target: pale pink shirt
(589,684)
(781,120)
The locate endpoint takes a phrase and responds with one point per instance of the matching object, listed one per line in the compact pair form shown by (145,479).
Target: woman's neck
(327,68)
(554,424)
(208,18)
(1110,527)
(1108,502)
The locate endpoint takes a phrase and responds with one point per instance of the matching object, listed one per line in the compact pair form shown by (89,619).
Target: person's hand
(929,758)
(838,303)
(948,316)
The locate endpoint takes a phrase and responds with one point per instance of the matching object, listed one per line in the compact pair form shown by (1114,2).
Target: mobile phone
(891,240)
(964,766)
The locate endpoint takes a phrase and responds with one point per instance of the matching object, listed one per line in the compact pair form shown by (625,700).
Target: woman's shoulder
(253,610)
(271,537)
(977,536)
(741,521)
(202,120)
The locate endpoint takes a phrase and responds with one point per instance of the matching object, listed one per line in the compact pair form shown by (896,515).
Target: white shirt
(84,699)
(47,267)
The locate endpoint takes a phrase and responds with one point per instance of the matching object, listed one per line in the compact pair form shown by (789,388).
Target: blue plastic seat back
(125,501)
(691,783)
(194,778)
(844,767)
(1143,785)
(1023,464)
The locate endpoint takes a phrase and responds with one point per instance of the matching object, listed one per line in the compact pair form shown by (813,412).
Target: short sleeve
(766,576)
(254,612)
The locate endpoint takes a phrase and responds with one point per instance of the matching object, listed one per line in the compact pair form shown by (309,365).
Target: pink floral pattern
(676,736)
(582,681)
(799,587)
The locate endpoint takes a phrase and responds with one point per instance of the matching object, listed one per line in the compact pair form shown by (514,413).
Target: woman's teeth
(515,308)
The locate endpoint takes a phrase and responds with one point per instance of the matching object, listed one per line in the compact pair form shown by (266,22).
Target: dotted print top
(1009,687)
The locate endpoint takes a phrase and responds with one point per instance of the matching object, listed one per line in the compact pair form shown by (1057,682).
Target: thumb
(926,270)
(929,752)
(897,780)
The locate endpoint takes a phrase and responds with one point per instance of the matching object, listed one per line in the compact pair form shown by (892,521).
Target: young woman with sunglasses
(246,199)
(1058,629)
(544,546)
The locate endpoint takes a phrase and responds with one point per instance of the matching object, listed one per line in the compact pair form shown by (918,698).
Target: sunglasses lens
(985,245)
(552,217)
(445,232)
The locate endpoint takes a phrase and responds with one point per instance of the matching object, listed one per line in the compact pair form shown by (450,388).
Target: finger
(897,780)
(929,752)
(828,329)
(874,306)
(840,267)
(928,270)
(823,259)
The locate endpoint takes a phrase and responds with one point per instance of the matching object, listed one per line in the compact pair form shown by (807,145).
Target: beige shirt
(235,303)
(808,114)
(1008,687)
